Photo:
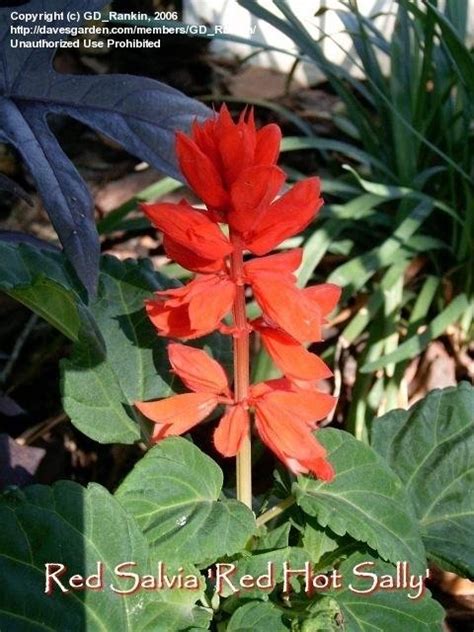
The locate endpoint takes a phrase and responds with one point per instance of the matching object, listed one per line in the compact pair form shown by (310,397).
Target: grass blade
(418,343)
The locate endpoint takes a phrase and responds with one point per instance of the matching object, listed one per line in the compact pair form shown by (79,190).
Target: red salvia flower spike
(232,167)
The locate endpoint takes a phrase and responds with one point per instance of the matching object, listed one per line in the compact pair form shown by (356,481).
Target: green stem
(241,369)
(275,511)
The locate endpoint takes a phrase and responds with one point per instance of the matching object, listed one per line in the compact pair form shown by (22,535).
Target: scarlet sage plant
(232,168)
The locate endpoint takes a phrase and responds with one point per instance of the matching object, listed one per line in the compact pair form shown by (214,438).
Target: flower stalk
(241,368)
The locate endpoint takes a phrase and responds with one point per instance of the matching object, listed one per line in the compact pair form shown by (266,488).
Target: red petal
(197,370)
(290,356)
(286,305)
(290,439)
(170,322)
(189,259)
(252,192)
(204,137)
(237,148)
(200,173)
(194,309)
(288,261)
(286,217)
(278,384)
(223,121)
(179,413)
(231,431)
(268,145)
(325,296)
(190,228)
(307,407)
(213,301)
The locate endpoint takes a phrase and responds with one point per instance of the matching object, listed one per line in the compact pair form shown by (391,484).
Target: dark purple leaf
(16,237)
(139,113)
(6,184)
(18,463)
(9,407)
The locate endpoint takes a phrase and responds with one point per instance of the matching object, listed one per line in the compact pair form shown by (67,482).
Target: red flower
(232,168)
(220,150)
(191,238)
(284,417)
(178,414)
(287,216)
(193,310)
(290,356)
(232,430)
(273,284)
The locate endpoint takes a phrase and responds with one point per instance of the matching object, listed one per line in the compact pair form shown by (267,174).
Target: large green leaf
(173,493)
(99,388)
(117,357)
(383,610)
(258,616)
(318,541)
(431,447)
(268,566)
(365,500)
(44,282)
(79,528)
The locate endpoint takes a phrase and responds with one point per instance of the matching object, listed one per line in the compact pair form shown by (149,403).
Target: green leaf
(296,143)
(173,493)
(431,447)
(416,344)
(53,302)
(460,54)
(268,566)
(365,500)
(391,192)
(41,280)
(318,541)
(257,616)
(275,539)
(315,248)
(353,275)
(323,615)
(79,527)
(384,610)
(367,313)
(99,388)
